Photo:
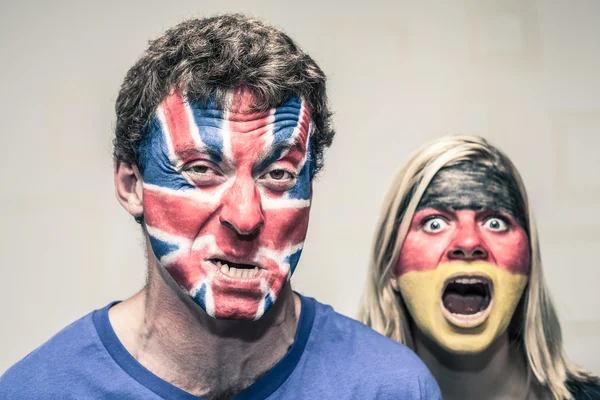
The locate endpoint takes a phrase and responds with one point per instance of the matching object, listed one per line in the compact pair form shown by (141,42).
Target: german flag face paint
(462,306)
(465,261)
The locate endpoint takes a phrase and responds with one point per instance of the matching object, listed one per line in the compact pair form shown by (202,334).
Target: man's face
(465,261)
(227,198)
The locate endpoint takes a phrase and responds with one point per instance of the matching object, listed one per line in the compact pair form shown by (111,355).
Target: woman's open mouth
(467,300)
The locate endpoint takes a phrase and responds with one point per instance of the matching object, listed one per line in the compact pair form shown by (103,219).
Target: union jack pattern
(190,225)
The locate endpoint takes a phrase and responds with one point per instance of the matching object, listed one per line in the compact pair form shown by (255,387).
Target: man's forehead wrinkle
(280,117)
(229,100)
(286,111)
(248,107)
(252,124)
(281,124)
(247,117)
(191,150)
(297,117)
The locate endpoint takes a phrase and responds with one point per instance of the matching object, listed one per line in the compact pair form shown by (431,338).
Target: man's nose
(242,209)
(468,245)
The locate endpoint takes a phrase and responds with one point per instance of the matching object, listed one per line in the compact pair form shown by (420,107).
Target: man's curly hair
(210,57)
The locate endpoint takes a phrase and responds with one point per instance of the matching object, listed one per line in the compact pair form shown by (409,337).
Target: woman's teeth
(469,281)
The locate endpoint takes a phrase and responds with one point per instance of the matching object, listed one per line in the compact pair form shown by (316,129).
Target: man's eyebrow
(294,141)
(191,150)
(274,152)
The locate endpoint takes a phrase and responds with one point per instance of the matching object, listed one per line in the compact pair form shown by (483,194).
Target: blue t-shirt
(333,357)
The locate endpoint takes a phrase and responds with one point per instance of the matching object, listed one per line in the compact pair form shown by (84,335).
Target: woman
(456,275)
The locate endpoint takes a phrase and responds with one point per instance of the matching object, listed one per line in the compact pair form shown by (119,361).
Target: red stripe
(185,217)
(178,124)
(186,270)
(176,215)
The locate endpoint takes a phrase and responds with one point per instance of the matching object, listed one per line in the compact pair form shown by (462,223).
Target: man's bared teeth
(237,272)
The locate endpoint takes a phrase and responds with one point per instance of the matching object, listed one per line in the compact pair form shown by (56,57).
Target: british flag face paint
(227,199)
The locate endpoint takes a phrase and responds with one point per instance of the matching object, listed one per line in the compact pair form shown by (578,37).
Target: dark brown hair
(210,57)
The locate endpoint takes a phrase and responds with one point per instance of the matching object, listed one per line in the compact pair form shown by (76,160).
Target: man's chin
(233,305)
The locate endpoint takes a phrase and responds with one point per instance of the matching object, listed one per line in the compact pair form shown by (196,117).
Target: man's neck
(497,373)
(177,341)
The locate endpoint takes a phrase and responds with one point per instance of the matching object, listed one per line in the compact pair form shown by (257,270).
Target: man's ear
(129,187)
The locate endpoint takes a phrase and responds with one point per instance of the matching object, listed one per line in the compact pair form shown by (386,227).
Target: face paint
(462,335)
(227,199)
(465,260)
(470,186)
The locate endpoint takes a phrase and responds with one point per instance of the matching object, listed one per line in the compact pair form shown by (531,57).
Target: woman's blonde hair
(535,327)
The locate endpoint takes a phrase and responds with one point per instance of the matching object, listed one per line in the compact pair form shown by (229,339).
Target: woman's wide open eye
(435,225)
(495,224)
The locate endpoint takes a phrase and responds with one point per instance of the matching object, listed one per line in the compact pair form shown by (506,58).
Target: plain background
(522,73)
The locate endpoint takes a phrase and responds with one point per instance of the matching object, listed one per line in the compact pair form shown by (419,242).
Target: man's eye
(279,174)
(435,225)
(496,224)
(199,169)
(278,180)
(203,174)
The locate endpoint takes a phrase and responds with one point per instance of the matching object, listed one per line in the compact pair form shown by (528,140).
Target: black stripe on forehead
(473,186)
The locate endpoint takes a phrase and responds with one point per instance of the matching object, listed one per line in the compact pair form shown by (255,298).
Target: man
(221,127)
(457,275)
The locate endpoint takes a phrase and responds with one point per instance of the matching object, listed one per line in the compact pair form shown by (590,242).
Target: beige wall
(522,73)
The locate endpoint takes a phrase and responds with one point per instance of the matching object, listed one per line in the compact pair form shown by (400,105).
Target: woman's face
(465,261)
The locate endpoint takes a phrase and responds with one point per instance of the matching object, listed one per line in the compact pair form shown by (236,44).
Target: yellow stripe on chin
(422,293)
